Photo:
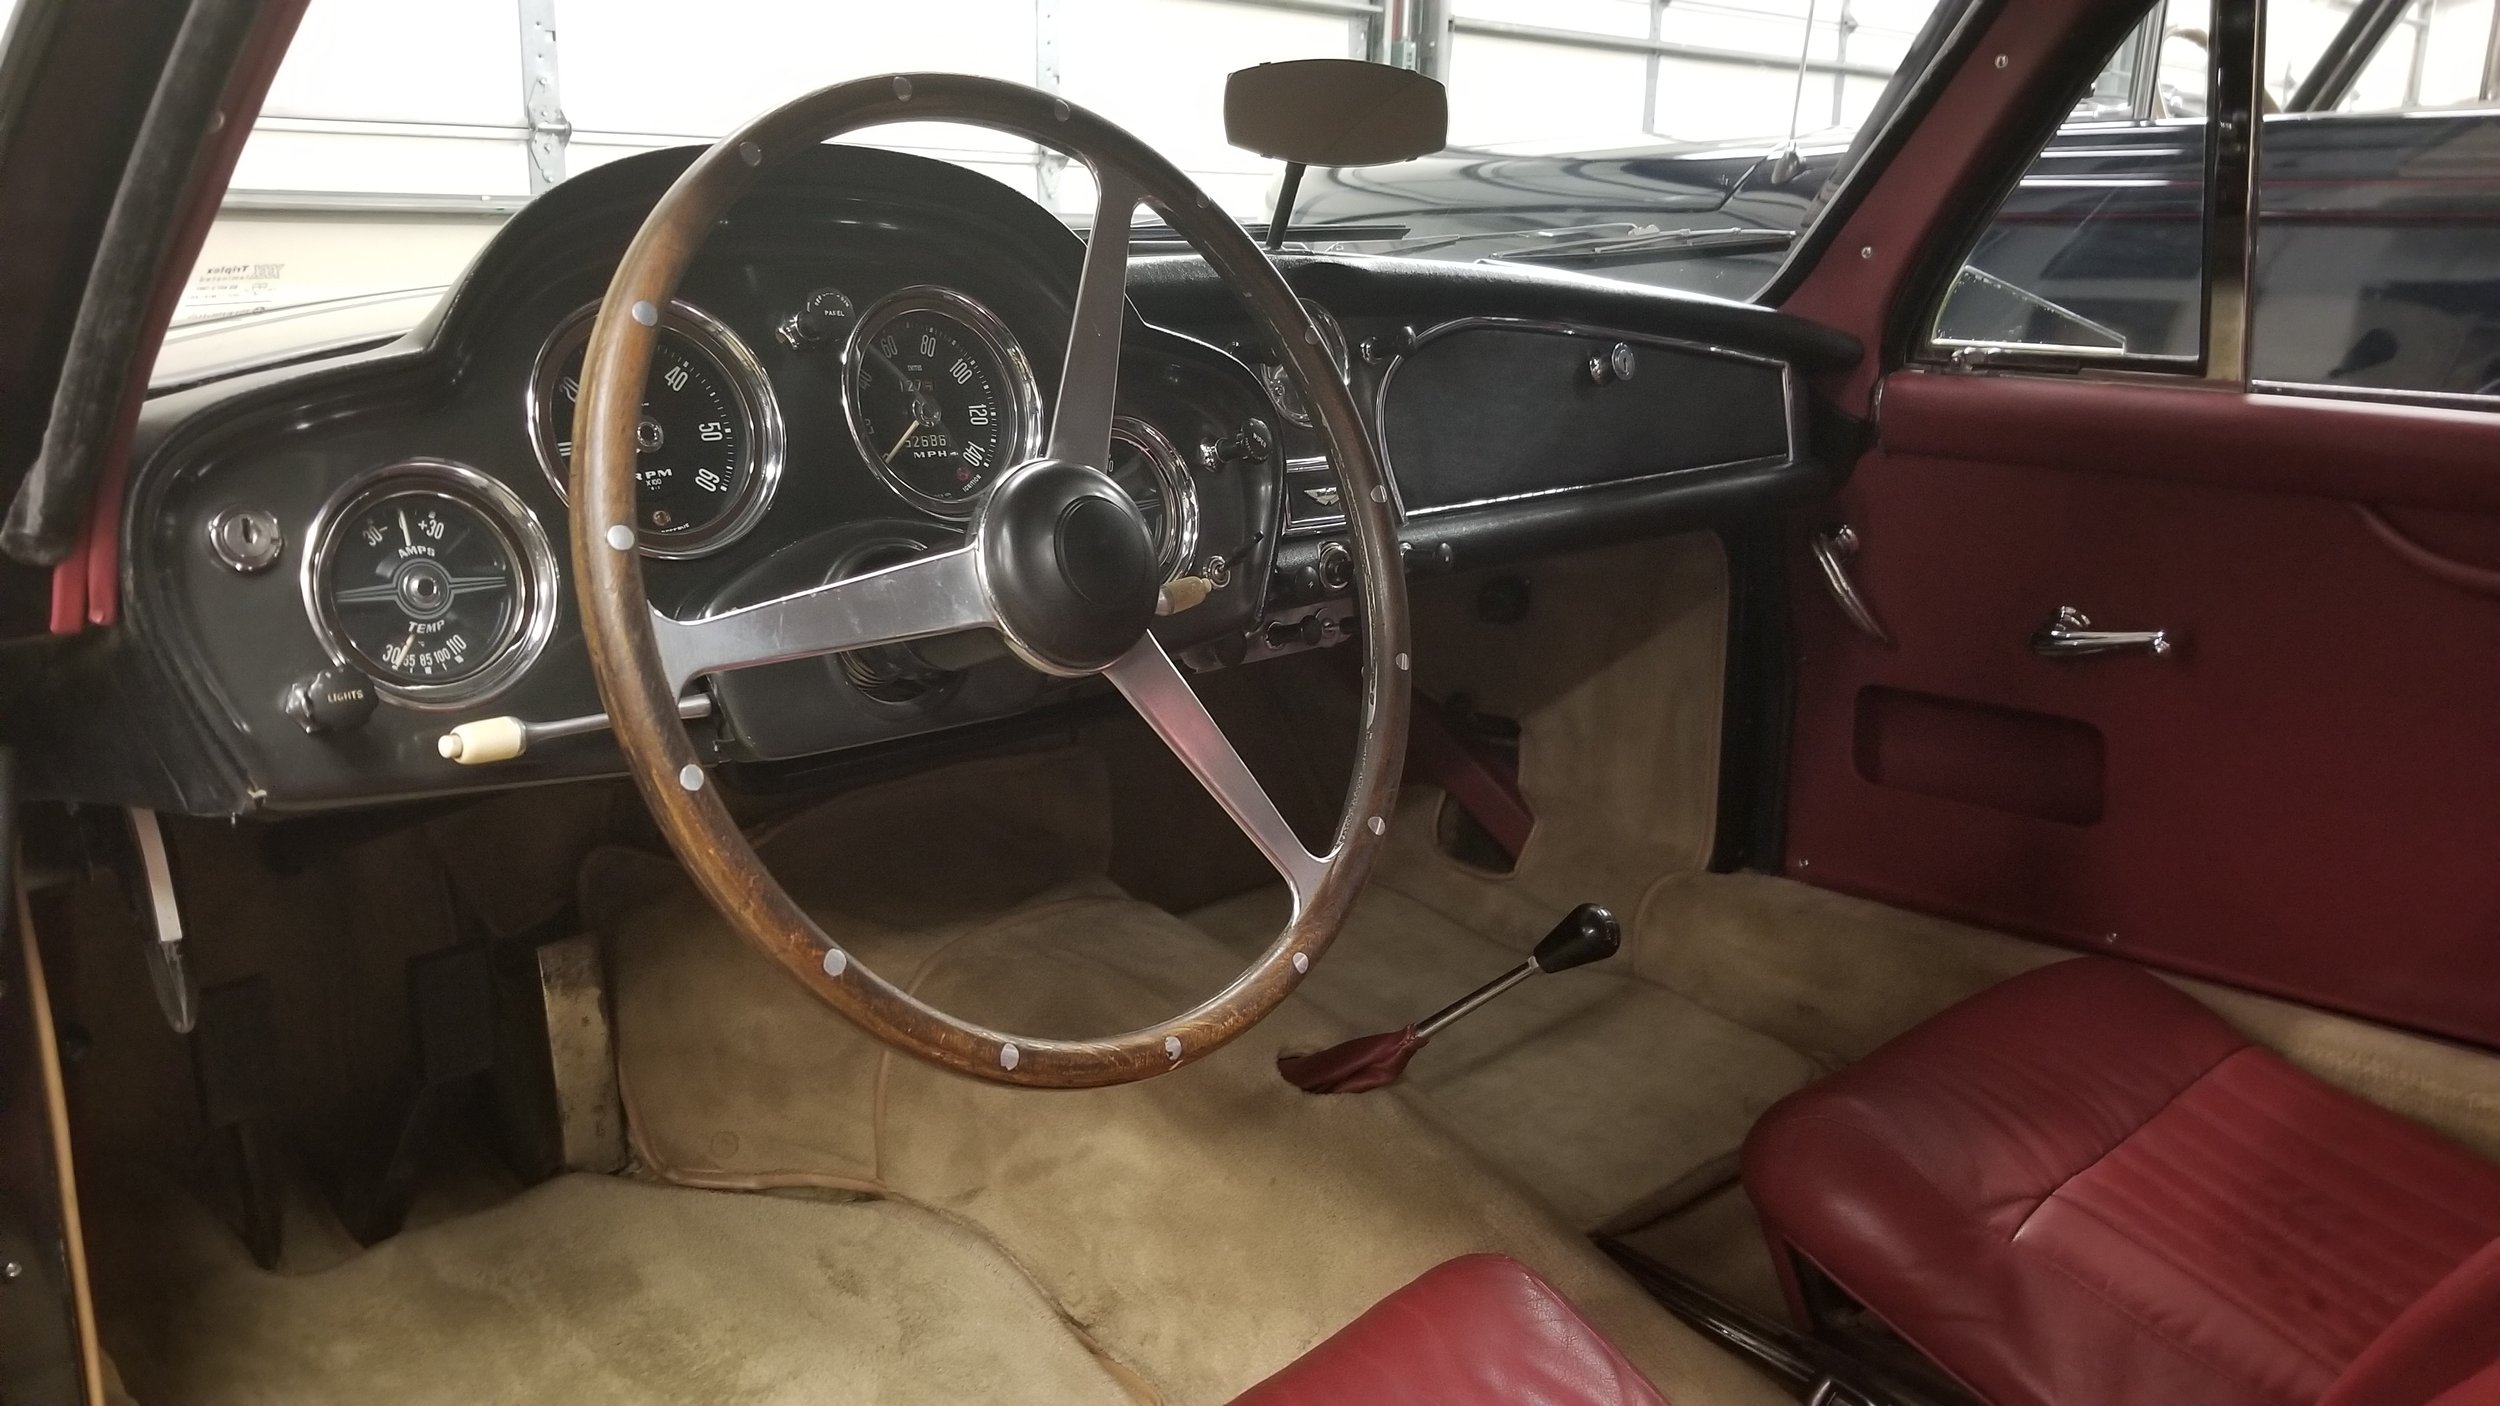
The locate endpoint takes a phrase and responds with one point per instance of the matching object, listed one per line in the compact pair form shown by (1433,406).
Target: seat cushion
(1481,1330)
(2081,1186)
(2448,1338)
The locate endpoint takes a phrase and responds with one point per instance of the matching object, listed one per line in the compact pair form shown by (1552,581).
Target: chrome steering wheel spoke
(1089,380)
(1156,688)
(938,594)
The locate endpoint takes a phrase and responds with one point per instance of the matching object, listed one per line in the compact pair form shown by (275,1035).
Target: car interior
(827,786)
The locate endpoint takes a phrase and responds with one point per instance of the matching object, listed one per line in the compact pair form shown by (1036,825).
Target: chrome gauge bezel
(766,437)
(1278,382)
(524,537)
(1178,544)
(1023,433)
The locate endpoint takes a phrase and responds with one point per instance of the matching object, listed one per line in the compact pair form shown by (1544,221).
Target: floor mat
(590,1289)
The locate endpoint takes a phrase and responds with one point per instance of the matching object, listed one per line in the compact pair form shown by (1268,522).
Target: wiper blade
(1591,242)
(1675,243)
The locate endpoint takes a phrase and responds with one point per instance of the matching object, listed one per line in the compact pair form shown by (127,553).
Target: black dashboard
(330,566)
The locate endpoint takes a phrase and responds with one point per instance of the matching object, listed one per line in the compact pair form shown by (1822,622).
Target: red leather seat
(1482,1330)
(2083,1187)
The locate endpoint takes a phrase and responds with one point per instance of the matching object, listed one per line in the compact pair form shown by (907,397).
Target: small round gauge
(1281,390)
(431,579)
(1155,477)
(941,398)
(707,446)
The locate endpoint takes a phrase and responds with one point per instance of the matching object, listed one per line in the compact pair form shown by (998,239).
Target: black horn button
(1070,566)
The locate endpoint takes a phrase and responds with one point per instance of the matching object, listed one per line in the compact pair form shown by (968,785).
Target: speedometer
(941,398)
(431,579)
(708,440)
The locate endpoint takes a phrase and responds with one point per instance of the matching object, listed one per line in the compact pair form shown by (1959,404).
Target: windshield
(1623,137)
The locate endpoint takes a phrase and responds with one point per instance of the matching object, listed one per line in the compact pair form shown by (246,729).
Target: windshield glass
(1676,143)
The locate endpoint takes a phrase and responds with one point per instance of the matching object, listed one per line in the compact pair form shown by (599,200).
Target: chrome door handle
(1832,548)
(2069,635)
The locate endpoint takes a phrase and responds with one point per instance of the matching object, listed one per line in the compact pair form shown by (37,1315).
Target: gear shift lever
(1586,934)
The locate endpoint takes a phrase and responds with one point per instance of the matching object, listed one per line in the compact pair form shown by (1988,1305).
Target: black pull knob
(825,317)
(1251,444)
(1586,934)
(334,700)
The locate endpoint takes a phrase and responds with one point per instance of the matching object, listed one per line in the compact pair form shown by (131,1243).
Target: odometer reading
(941,399)
(704,456)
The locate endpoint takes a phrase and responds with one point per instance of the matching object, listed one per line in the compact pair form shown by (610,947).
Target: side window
(2374,268)
(2099,251)
(2378,255)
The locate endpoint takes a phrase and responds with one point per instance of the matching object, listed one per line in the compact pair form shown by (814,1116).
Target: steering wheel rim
(643,660)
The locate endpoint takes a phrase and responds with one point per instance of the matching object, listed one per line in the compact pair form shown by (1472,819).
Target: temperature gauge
(433,580)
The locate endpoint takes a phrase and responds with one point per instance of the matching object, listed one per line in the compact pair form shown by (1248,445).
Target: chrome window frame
(2228,315)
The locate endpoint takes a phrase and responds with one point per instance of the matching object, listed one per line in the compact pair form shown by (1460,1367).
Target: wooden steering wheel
(1058,562)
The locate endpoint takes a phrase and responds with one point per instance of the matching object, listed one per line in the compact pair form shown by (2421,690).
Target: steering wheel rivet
(690,776)
(836,961)
(1172,1048)
(1380,493)
(1059,109)
(1008,1054)
(646,314)
(750,153)
(1377,825)
(1403,666)
(902,89)
(621,537)
(1302,962)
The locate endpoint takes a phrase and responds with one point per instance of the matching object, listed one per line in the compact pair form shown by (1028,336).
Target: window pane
(2100,249)
(1678,143)
(2377,263)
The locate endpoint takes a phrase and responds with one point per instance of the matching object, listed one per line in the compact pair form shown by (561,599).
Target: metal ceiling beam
(1666,48)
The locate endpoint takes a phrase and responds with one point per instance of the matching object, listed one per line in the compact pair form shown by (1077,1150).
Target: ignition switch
(247,540)
(1336,566)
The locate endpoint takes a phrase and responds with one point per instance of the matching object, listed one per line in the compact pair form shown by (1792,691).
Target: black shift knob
(1586,934)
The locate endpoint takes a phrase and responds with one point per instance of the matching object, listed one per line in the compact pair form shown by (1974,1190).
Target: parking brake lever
(1586,934)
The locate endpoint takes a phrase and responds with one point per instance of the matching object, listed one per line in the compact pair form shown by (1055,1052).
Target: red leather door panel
(2303,798)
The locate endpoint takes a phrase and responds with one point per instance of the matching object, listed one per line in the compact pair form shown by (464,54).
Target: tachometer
(431,579)
(707,446)
(941,398)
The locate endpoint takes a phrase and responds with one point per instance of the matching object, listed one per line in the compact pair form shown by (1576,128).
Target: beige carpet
(592,1290)
(1837,976)
(1602,1093)
(1205,1227)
